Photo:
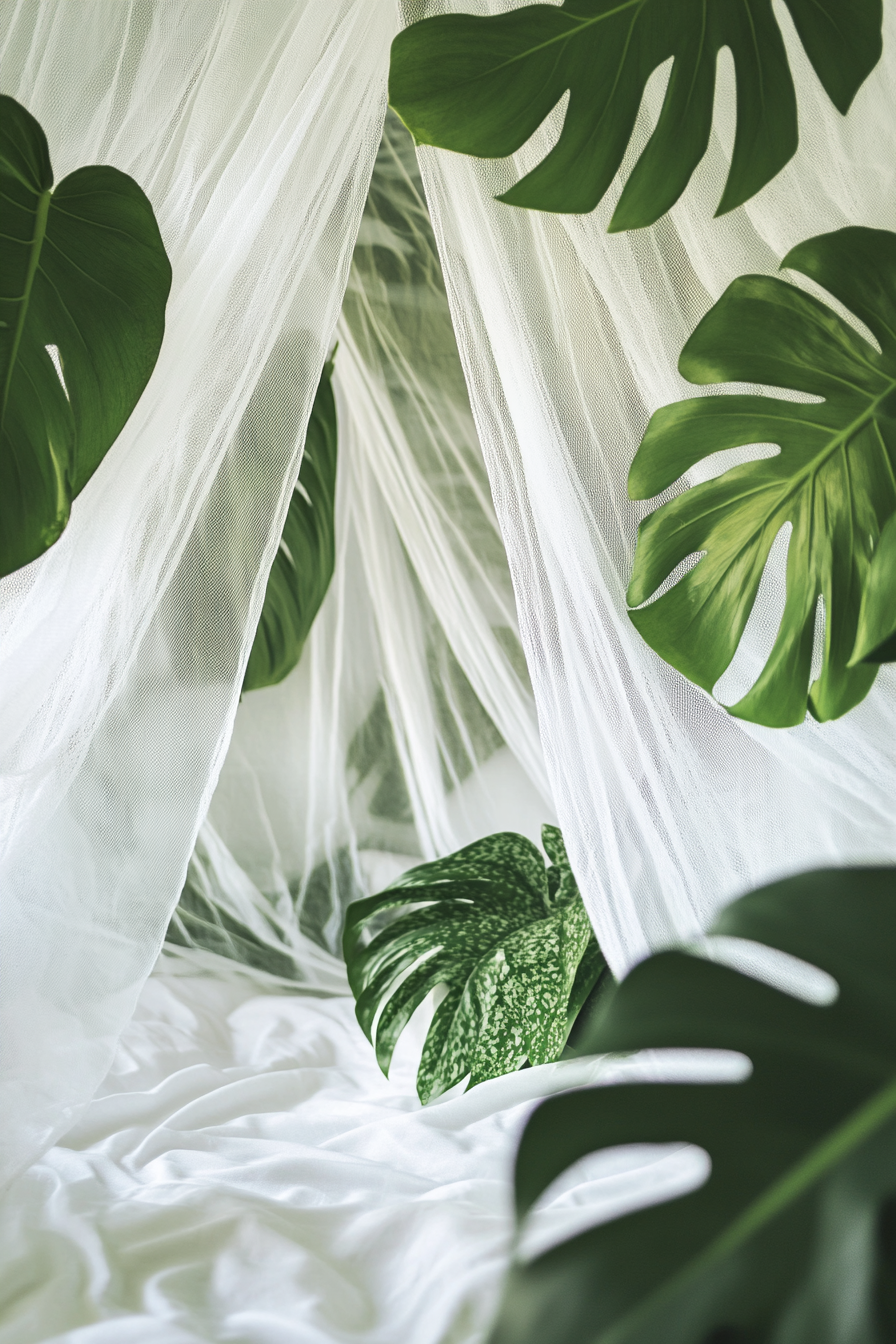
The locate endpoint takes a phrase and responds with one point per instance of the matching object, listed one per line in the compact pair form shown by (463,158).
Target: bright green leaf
(505,936)
(876,637)
(790,1239)
(833,479)
(303,565)
(83,277)
(483,85)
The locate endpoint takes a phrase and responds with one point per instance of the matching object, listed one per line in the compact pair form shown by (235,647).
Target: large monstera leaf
(306,556)
(876,636)
(834,480)
(791,1238)
(83,284)
(483,85)
(508,939)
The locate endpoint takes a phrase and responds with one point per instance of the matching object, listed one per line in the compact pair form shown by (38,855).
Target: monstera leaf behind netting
(303,565)
(407,728)
(789,1236)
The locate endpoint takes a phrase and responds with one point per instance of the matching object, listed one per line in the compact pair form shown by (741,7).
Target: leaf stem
(846,1138)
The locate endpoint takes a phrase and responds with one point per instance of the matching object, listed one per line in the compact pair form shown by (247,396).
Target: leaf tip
(627,216)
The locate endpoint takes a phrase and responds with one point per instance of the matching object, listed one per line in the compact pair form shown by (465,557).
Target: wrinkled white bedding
(246,1173)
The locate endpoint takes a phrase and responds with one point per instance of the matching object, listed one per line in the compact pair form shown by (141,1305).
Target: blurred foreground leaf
(791,1238)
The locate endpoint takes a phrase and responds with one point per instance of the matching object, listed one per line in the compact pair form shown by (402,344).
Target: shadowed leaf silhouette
(306,555)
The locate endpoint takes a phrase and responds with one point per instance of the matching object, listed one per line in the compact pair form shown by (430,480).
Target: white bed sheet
(246,1173)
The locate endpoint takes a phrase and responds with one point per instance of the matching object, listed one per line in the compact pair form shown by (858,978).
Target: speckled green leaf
(508,939)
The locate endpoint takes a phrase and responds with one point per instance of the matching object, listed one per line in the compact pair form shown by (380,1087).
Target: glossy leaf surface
(876,636)
(834,480)
(483,86)
(303,565)
(505,936)
(794,1225)
(84,279)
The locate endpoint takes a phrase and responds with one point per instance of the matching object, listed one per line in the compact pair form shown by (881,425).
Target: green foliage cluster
(84,280)
(507,938)
(482,85)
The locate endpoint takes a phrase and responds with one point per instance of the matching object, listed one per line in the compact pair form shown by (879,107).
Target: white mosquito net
(410,718)
(570,338)
(409,726)
(253,130)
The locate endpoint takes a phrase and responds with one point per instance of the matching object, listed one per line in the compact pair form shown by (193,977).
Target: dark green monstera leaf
(483,85)
(508,939)
(83,284)
(833,479)
(303,565)
(791,1237)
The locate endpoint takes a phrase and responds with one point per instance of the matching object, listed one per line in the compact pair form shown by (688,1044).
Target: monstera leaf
(83,284)
(484,85)
(303,565)
(509,940)
(833,479)
(791,1236)
(876,637)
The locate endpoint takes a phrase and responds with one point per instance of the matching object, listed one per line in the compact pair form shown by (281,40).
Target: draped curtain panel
(570,338)
(409,727)
(253,129)
(481,514)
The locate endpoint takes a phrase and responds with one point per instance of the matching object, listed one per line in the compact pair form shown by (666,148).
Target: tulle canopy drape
(481,511)
(253,130)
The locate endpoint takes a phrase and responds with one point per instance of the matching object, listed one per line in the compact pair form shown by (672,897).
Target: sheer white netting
(570,338)
(253,129)
(408,727)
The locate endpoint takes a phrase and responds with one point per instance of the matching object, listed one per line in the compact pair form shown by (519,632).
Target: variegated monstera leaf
(508,939)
